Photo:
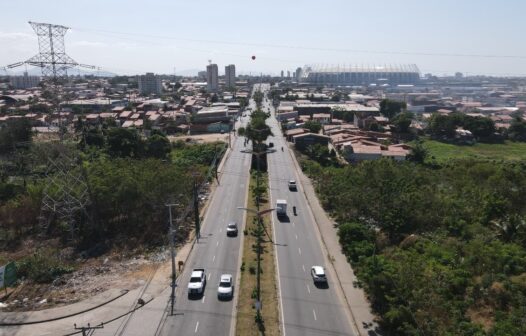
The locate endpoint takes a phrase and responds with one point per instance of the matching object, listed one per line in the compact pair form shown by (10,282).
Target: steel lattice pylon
(52,57)
(66,194)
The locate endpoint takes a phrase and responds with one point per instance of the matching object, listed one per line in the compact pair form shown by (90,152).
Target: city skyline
(439,37)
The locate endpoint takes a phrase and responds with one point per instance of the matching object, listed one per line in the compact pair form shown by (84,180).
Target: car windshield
(224,284)
(195,279)
(232,226)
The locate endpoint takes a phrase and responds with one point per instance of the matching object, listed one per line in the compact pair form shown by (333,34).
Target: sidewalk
(110,304)
(354,297)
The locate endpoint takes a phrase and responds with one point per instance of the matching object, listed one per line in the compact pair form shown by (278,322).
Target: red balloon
(253,57)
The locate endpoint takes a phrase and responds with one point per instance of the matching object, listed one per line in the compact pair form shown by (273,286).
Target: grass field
(506,151)
(246,324)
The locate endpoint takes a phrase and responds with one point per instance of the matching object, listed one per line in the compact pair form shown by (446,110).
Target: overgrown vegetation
(439,249)
(129,178)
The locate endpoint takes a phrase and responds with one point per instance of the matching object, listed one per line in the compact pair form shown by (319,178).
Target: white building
(150,83)
(212,78)
(298,74)
(230,76)
(25,81)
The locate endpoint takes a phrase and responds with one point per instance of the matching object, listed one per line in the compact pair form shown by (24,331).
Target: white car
(318,274)
(292,185)
(225,290)
(197,283)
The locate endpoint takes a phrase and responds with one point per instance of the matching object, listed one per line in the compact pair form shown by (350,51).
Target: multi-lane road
(215,252)
(306,309)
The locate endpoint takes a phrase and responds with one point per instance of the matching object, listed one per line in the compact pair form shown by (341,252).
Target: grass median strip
(247,323)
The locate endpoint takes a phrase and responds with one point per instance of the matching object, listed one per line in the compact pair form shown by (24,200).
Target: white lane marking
(293,224)
(304,271)
(209,274)
(196,326)
(214,258)
(299,250)
(296,237)
(314,313)
(217,244)
(308,289)
(203,299)
(220,230)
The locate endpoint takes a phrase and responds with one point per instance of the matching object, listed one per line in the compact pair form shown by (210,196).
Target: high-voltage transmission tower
(66,194)
(52,57)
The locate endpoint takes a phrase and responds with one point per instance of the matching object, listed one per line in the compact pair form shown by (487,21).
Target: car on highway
(225,290)
(318,274)
(197,283)
(292,185)
(231,229)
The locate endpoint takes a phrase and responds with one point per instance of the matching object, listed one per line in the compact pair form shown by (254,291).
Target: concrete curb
(239,260)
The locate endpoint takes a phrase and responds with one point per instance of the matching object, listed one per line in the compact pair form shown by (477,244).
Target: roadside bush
(42,267)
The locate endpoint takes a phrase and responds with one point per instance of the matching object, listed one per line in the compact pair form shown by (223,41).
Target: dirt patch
(482,315)
(201,138)
(91,277)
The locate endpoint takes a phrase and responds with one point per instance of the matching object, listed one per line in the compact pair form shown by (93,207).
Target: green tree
(15,131)
(158,146)
(312,126)
(402,121)
(124,142)
(480,127)
(92,137)
(441,125)
(418,153)
(517,130)
(390,108)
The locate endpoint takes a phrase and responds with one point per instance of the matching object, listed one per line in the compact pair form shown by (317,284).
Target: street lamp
(258,214)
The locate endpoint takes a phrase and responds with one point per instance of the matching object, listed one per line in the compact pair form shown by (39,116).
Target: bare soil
(91,277)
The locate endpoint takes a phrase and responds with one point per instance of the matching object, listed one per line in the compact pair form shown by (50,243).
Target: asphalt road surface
(217,253)
(307,309)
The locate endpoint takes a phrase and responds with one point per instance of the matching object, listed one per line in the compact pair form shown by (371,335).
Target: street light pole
(172,253)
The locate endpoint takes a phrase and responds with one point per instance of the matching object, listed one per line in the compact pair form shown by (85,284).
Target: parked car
(231,229)
(318,274)
(225,290)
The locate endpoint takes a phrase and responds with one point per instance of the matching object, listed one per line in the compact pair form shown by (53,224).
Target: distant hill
(34,71)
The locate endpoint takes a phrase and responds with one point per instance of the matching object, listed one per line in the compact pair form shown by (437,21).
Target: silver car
(225,290)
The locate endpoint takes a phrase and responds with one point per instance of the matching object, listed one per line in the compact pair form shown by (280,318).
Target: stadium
(361,75)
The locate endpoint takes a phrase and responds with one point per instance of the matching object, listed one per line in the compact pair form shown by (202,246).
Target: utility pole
(89,329)
(172,253)
(196,211)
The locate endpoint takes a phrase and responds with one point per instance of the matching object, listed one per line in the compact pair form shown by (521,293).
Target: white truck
(281,208)
(197,283)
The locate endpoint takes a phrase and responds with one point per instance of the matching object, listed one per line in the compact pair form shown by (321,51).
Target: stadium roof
(397,68)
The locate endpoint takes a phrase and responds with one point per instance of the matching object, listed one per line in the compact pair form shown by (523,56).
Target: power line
(329,49)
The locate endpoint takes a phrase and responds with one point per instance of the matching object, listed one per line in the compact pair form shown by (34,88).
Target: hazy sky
(131,36)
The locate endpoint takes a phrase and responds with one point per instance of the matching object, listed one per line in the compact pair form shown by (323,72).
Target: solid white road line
(196,326)
(314,313)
